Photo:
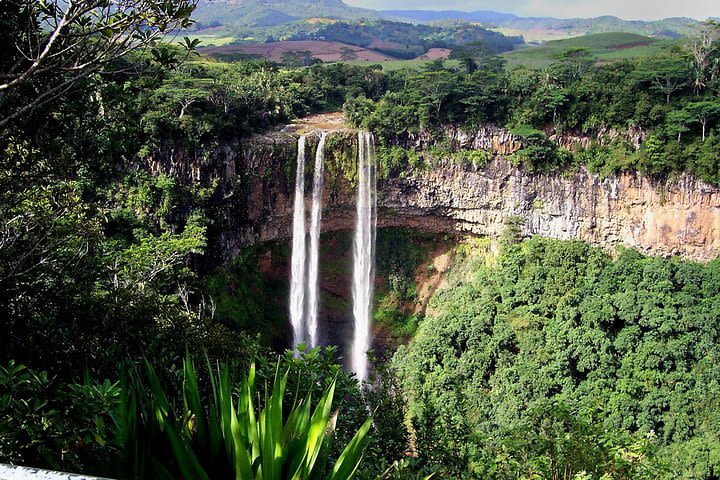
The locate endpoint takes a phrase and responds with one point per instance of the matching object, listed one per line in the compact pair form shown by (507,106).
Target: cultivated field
(212,37)
(435,54)
(605,47)
(535,35)
(325,51)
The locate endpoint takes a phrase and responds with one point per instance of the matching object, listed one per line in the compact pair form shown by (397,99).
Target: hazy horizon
(638,10)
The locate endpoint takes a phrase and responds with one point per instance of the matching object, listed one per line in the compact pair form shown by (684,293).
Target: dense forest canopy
(114,361)
(673,98)
(553,354)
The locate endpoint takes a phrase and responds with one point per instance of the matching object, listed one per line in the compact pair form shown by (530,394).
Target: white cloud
(628,9)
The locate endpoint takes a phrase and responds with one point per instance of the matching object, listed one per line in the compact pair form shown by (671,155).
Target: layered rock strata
(677,216)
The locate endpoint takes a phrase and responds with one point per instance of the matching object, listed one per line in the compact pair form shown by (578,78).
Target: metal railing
(15,472)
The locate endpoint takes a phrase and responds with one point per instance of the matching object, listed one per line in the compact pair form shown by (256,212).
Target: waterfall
(297,279)
(364,253)
(314,258)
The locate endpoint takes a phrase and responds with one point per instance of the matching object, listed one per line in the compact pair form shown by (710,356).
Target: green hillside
(263,13)
(257,21)
(259,13)
(602,46)
(606,24)
(394,39)
(546,28)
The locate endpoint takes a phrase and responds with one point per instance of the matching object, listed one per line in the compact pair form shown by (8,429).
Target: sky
(627,9)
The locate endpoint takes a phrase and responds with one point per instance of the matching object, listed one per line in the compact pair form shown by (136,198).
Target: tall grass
(230,436)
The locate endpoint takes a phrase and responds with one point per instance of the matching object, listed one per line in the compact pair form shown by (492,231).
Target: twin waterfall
(304,281)
(305,307)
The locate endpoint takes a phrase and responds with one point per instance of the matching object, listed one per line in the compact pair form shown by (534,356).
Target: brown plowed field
(325,51)
(435,54)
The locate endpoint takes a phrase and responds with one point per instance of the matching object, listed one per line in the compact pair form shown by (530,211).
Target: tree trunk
(185,105)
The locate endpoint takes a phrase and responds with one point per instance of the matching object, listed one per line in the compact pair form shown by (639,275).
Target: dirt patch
(430,276)
(325,51)
(435,54)
(321,20)
(328,122)
(629,45)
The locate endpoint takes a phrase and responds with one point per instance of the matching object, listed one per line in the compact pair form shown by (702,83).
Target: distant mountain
(584,26)
(264,13)
(260,21)
(424,16)
(256,14)
(542,28)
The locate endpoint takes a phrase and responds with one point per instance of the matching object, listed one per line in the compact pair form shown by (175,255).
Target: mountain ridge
(268,13)
(262,13)
(435,15)
(570,26)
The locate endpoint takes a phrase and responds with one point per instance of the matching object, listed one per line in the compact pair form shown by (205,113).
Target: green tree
(704,159)
(184,91)
(56,43)
(47,422)
(704,112)
(666,75)
(654,158)
(553,359)
(432,89)
(678,122)
(575,62)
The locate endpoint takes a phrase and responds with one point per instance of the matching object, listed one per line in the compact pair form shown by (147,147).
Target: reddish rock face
(680,216)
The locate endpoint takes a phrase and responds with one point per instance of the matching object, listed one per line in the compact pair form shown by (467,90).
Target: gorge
(662,217)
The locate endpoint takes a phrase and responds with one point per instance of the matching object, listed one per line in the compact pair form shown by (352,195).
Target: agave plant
(230,436)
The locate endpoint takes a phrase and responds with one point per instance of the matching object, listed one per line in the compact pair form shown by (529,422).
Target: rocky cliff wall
(679,216)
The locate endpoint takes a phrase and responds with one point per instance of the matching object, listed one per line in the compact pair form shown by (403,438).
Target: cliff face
(680,216)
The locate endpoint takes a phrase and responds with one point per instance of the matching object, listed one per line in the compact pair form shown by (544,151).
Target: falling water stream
(364,253)
(297,278)
(304,306)
(314,254)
